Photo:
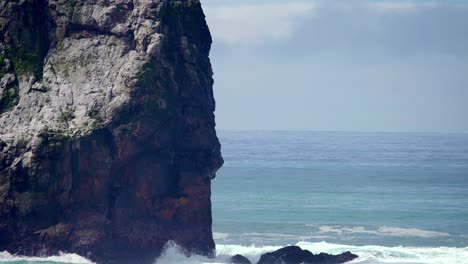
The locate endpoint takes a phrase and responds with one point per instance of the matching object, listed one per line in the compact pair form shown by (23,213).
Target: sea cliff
(107,130)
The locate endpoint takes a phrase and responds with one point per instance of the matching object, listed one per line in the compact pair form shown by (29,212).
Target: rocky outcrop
(107,132)
(295,255)
(239,259)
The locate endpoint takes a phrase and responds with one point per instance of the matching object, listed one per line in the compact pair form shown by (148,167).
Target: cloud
(340,65)
(255,23)
(398,27)
(392,6)
(385,28)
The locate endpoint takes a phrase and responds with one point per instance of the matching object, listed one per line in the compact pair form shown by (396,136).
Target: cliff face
(107,132)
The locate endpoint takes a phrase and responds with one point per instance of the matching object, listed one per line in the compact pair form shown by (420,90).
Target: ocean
(387,197)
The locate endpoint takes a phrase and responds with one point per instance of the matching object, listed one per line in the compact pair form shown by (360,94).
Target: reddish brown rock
(107,139)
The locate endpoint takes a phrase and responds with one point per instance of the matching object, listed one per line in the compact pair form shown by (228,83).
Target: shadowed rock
(295,255)
(239,259)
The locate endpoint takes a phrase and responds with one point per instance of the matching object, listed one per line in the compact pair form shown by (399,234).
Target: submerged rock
(239,259)
(295,255)
(107,132)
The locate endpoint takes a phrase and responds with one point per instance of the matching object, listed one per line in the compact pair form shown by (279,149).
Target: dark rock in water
(295,255)
(107,132)
(239,259)
(332,259)
(288,255)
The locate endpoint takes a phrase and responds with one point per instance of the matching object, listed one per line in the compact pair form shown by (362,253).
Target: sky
(349,65)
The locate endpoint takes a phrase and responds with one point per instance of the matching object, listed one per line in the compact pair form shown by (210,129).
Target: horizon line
(338,131)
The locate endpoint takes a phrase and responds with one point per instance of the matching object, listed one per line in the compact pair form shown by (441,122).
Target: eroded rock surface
(107,132)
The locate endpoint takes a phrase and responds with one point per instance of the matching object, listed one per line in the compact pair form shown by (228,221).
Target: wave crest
(382,231)
(173,254)
(367,254)
(61,258)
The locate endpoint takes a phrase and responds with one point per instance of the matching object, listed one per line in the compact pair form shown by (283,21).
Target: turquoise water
(388,197)
(359,189)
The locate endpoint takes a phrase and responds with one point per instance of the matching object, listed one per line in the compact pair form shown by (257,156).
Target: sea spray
(173,253)
(368,254)
(6,257)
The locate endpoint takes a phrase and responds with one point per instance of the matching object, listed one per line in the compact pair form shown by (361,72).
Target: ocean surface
(387,197)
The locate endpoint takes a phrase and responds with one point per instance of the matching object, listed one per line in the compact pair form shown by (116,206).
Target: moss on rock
(26,38)
(26,62)
(9,99)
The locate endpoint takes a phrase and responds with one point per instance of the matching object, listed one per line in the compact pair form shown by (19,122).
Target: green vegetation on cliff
(26,62)
(9,99)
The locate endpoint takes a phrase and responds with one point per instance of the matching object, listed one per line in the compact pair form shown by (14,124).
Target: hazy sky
(340,65)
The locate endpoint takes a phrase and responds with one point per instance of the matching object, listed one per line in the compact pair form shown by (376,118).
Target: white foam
(262,238)
(251,252)
(61,258)
(173,254)
(380,254)
(382,231)
(219,235)
(396,231)
(367,254)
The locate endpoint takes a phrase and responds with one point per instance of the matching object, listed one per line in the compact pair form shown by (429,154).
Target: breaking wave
(382,231)
(6,257)
(367,254)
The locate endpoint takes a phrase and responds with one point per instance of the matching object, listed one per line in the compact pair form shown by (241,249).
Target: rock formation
(239,259)
(107,132)
(296,255)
